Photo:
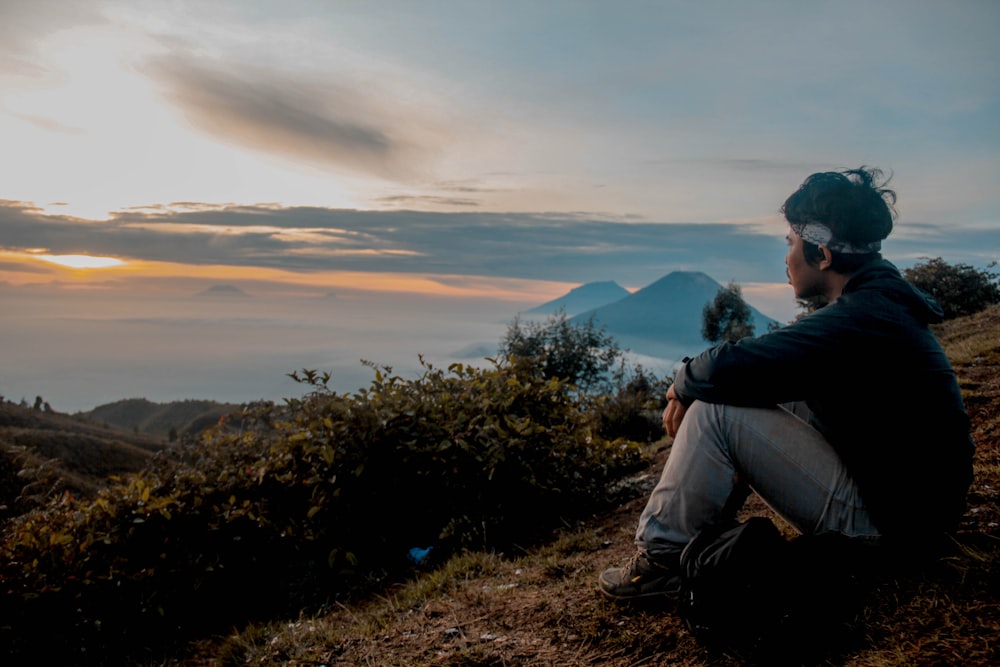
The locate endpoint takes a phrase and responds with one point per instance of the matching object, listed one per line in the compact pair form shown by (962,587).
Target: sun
(82,261)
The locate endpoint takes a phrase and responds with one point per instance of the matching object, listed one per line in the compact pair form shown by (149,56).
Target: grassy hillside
(177,418)
(44,454)
(540,606)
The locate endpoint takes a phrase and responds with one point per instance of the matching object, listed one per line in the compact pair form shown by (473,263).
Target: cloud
(49,124)
(426,200)
(746,164)
(23,267)
(328,122)
(912,241)
(548,247)
(23,25)
(540,247)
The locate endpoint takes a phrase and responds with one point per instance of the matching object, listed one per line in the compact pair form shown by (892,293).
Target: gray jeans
(722,452)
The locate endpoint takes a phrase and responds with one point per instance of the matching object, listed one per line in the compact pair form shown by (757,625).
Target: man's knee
(699,418)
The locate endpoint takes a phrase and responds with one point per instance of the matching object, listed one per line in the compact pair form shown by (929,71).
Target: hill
(583,298)
(540,606)
(177,418)
(45,453)
(664,319)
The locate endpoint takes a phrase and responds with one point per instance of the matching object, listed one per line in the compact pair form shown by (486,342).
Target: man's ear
(827,260)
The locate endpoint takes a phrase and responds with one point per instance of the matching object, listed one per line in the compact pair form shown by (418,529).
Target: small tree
(960,288)
(580,353)
(727,317)
(809,305)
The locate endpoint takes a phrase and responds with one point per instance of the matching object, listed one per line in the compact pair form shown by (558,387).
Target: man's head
(838,221)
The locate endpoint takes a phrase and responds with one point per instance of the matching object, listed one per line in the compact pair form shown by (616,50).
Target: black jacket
(881,390)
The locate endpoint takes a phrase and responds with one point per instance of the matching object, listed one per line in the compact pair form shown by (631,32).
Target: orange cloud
(80,271)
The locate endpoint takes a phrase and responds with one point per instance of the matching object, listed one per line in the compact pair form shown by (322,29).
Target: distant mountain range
(661,320)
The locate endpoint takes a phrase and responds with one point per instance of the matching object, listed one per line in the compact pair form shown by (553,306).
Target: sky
(387,178)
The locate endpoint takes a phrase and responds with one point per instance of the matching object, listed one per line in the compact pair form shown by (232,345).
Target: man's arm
(777,367)
(673,415)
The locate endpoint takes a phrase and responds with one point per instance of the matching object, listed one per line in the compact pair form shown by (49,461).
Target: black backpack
(745,587)
(732,584)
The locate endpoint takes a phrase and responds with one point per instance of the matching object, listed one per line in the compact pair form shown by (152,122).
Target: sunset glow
(82,261)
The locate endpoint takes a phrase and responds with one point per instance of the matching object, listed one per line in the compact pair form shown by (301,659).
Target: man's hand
(674,413)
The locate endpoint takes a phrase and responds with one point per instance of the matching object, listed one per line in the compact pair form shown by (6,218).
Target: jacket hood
(883,276)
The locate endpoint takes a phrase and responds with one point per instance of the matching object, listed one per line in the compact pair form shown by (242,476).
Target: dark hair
(854,204)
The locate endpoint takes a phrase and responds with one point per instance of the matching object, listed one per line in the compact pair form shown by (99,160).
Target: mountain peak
(583,298)
(223,291)
(684,278)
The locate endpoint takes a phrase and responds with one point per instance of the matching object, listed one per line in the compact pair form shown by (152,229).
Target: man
(847,421)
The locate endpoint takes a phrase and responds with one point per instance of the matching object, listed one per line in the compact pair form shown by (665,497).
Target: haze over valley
(81,353)
(226,344)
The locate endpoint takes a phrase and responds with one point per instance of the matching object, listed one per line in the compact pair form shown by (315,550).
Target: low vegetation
(296,505)
(45,454)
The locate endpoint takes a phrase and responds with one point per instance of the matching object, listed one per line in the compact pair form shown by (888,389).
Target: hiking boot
(641,577)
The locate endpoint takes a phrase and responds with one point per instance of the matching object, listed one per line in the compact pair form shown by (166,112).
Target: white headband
(819,234)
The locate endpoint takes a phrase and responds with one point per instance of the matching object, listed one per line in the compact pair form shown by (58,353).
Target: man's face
(805,278)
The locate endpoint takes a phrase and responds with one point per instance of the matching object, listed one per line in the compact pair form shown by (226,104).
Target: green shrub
(300,502)
(960,288)
(635,410)
(625,401)
(581,353)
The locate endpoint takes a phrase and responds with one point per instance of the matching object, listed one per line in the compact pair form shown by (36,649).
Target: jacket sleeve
(778,367)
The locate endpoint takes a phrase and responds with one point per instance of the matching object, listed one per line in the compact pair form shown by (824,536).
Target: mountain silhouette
(583,298)
(664,319)
(225,291)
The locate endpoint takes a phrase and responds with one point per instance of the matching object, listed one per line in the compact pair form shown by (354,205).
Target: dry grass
(540,607)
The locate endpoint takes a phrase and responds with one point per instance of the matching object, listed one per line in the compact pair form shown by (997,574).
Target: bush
(300,502)
(960,288)
(635,410)
(581,354)
(626,402)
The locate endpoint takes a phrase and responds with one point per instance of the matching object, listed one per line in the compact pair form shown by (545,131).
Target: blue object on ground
(416,554)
